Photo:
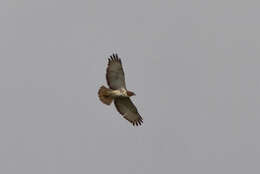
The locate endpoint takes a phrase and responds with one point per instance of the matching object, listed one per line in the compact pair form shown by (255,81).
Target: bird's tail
(103,94)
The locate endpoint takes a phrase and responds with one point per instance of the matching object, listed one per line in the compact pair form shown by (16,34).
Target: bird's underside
(107,95)
(117,91)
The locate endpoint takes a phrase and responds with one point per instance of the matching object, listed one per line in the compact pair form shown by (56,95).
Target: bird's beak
(130,93)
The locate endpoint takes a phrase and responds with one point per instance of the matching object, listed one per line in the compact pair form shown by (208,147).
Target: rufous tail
(103,94)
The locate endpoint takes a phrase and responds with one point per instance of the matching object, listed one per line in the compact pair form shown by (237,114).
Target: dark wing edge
(112,59)
(136,122)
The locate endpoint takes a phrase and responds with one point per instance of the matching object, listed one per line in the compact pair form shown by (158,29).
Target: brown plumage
(117,91)
(103,94)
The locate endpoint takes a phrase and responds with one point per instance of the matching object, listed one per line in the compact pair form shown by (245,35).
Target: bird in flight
(117,91)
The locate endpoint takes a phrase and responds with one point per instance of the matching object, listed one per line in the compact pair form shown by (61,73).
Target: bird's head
(130,93)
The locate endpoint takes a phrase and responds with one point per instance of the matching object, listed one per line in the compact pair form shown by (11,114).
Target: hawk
(117,91)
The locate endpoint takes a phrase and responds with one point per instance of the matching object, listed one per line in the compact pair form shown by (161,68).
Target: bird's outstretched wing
(115,73)
(126,108)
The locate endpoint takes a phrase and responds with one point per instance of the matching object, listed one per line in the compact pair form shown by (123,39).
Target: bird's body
(118,92)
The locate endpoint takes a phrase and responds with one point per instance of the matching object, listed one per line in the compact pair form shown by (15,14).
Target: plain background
(194,66)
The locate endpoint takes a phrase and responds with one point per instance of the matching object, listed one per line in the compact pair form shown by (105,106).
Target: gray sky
(194,66)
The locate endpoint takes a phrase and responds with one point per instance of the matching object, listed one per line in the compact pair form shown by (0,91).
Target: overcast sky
(194,66)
